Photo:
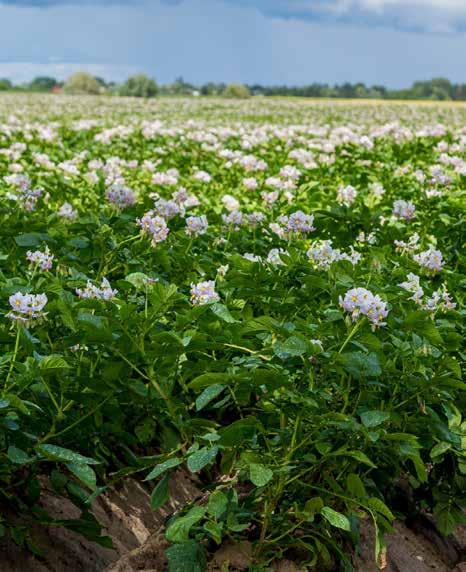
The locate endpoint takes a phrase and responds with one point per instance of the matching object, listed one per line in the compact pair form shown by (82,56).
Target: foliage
(236,91)
(139,86)
(232,347)
(5,84)
(437,89)
(82,83)
(43,83)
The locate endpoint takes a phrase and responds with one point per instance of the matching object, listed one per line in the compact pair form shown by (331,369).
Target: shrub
(82,83)
(139,86)
(237,91)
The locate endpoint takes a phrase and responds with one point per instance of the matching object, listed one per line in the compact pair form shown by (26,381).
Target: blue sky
(391,42)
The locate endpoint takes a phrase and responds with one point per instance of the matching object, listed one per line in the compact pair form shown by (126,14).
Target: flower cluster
(323,255)
(92,292)
(347,195)
(196,225)
(67,212)
(202,176)
(27,307)
(204,293)
(297,222)
(404,210)
(233,219)
(410,246)
(250,183)
(413,286)
(155,226)
(27,197)
(168,209)
(360,301)
(439,301)
(431,259)
(120,196)
(43,260)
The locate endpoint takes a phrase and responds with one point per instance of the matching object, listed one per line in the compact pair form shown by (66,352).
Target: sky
(294,42)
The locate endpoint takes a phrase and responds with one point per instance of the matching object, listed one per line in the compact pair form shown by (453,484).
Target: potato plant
(265,295)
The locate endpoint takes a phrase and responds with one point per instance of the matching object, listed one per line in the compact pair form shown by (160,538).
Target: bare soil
(138,539)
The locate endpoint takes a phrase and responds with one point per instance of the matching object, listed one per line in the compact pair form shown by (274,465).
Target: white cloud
(421,15)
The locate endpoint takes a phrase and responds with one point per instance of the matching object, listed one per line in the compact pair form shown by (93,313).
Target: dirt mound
(139,543)
(125,515)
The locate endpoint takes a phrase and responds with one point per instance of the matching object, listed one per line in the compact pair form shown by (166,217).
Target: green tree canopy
(82,83)
(5,84)
(43,83)
(237,91)
(139,86)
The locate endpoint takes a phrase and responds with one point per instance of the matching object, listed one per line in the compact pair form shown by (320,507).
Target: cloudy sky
(391,42)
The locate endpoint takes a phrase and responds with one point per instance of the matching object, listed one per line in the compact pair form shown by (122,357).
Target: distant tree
(442,88)
(180,87)
(236,91)
(82,83)
(360,90)
(43,83)
(101,81)
(5,84)
(212,88)
(139,86)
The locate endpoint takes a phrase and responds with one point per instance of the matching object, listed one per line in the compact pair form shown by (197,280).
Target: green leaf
(160,495)
(222,312)
(55,453)
(31,238)
(198,460)
(208,395)
(217,504)
(374,418)
(355,486)
(162,467)
(448,515)
(186,557)
(84,473)
(53,362)
(336,518)
(439,449)
(239,432)
(260,475)
(92,322)
(361,365)
(215,530)
(178,530)
(313,506)
(358,455)
(138,280)
(17,456)
(292,347)
(208,379)
(379,506)
(421,471)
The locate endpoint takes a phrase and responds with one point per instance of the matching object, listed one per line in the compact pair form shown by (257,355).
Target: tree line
(440,89)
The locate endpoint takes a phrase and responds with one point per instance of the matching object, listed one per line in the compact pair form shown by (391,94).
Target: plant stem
(13,359)
(350,335)
(52,433)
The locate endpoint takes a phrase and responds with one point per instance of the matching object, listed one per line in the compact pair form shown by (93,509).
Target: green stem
(51,434)
(190,243)
(13,359)
(52,397)
(350,335)
(158,388)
